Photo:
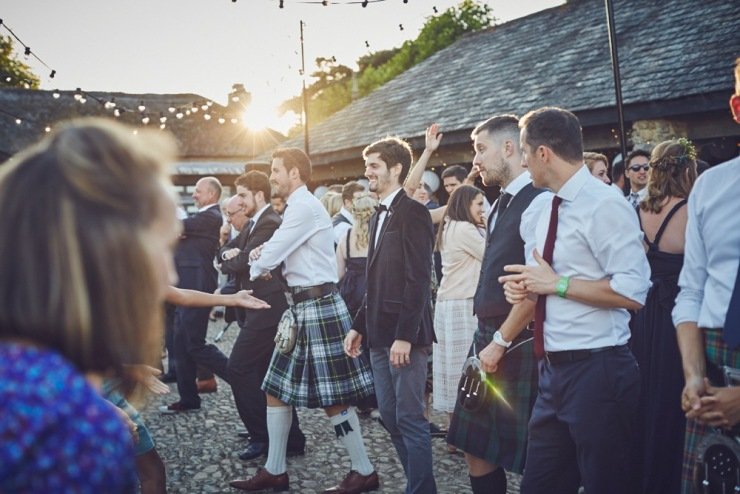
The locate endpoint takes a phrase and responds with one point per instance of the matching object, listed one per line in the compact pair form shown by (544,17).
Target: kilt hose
(317,373)
(497,433)
(717,354)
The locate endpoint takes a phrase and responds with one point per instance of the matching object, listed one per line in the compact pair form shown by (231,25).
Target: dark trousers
(169,337)
(191,350)
(247,366)
(582,425)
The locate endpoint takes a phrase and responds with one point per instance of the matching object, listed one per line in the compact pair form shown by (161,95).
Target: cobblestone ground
(200,448)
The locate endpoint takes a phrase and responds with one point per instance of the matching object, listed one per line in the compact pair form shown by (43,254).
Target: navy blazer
(399,271)
(271,291)
(197,248)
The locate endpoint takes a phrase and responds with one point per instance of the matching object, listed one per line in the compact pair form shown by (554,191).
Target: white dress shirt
(305,242)
(598,237)
(712,250)
(342,227)
(384,214)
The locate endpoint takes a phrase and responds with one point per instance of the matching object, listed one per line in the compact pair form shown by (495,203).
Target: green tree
(336,86)
(19,73)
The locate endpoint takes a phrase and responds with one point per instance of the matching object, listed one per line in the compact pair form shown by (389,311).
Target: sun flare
(261,115)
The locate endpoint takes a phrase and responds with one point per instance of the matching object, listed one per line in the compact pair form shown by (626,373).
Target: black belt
(301,294)
(555,358)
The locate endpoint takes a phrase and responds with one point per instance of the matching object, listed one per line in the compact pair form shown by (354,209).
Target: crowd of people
(579,330)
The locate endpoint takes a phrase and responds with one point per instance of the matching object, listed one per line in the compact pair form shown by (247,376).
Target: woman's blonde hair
(672,173)
(363,207)
(332,202)
(591,158)
(76,270)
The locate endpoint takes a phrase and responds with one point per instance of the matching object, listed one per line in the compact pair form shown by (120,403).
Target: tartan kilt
(719,354)
(497,433)
(317,373)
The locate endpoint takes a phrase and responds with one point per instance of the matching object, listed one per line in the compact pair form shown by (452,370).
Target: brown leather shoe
(354,483)
(207,385)
(262,480)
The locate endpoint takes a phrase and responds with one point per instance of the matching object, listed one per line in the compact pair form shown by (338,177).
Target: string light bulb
(47,129)
(145,119)
(162,118)
(235,98)
(27,51)
(8,79)
(56,94)
(117,113)
(162,126)
(171,109)
(83,99)
(435,10)
(52,74)
(364,4)
(18,121)
(141,106)
(179,115)
(221,120)
(207,116)
(234,120)
(78,94)
(282,5)
(110,104)
(400,26)
(204,107)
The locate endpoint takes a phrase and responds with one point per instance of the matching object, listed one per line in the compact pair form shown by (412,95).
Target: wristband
(561,288)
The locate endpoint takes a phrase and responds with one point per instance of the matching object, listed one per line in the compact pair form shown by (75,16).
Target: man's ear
(508,148)
(396,170)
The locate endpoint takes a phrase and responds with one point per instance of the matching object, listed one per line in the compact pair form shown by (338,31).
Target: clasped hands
(711,405)
(528,281)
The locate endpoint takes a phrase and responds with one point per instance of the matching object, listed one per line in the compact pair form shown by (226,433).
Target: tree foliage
(19,73)
(337,85)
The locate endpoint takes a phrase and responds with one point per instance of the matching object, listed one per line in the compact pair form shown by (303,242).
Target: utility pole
(305,98)
(617,78)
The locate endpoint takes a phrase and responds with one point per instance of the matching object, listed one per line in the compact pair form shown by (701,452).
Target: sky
(205,46)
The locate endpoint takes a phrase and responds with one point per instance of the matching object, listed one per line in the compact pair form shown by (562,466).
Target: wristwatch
(498,339)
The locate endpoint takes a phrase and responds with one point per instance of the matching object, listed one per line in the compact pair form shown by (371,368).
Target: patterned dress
(57,434)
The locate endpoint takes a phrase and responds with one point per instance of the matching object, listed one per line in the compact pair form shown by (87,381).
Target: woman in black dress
(661,421)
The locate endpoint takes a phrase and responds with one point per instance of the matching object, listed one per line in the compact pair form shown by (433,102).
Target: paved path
(200,448)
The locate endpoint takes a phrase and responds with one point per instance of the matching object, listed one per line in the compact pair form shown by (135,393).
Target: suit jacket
(197,248)
(271,291)
(399,270)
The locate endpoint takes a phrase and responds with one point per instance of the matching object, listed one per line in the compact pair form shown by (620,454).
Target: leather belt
(301,294)
(556,358)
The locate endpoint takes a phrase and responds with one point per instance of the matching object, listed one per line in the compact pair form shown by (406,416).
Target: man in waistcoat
(494,436)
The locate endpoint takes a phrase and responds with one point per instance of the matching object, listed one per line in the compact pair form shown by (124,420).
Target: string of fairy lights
(205,108)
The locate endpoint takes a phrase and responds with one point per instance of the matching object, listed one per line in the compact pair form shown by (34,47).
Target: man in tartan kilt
(316,373)
(494,436)
(707,310)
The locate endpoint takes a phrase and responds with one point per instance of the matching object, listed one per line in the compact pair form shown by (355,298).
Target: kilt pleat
(317,373)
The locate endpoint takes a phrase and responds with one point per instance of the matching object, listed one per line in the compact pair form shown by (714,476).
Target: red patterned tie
(539,310)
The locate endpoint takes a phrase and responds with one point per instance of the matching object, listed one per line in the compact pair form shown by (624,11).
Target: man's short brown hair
(350,188)
(255,181)
(295,158)
(392,151)
(557,129)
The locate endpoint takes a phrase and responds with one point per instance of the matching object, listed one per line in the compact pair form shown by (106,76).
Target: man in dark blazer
(397,316)
(250,356)
(194,261)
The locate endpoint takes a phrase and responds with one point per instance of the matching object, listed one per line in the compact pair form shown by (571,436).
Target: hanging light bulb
(18,121)
(194,109)
(78,94)
(234,120)
(117,112)
(53,73)
(26,85)
(83,99)
(207,116)
(145,120)
(27,51)
(187,112)
(221,120)
(235,98)
(209,103)
(47,129)
(162,118)
(56,94)
(8,78)
(364,4)
(179,115)
(282,6)
(109,105)
(204,107)
(171,109)
(141,106)
(162,126)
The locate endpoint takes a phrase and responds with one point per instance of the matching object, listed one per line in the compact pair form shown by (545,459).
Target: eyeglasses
(636,168)
(229,214)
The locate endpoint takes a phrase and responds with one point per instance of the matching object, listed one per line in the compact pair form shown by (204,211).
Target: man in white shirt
(343,220)
(589,274)
(316,373)
(637,173)
(708,305)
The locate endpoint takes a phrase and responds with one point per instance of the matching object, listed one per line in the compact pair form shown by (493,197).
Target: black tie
(381,207)
(503,202)
(248,227)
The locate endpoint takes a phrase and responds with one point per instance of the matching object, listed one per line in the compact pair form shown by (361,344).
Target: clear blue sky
(205,46)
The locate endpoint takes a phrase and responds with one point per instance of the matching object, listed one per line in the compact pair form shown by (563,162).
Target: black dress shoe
(253,450)
(169,377)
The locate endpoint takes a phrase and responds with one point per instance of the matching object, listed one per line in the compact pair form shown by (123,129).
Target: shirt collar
(347,215)
(389,200)
(206,207)
(296,194)
(259,213)
(570,189)
(518,183)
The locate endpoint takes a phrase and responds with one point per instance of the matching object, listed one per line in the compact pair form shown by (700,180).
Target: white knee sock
(279,420)
(347,427)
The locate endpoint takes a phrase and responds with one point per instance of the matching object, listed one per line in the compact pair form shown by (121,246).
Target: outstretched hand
(433,138)
(245,299)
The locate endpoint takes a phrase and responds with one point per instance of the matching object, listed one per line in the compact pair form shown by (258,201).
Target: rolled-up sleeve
(528,224)
(618,245)
(693,273)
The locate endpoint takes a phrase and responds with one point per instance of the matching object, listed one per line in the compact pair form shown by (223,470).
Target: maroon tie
(539,310)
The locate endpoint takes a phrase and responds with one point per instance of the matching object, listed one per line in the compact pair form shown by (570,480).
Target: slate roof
(560,57)
(197,138)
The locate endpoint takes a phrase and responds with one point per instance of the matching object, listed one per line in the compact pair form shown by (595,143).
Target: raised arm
(431,143)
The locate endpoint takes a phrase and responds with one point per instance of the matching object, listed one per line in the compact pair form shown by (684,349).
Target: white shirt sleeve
(694,271)
(528,224)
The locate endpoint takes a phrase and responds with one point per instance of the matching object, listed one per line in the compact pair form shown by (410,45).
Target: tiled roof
(557,57)
(196,136)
